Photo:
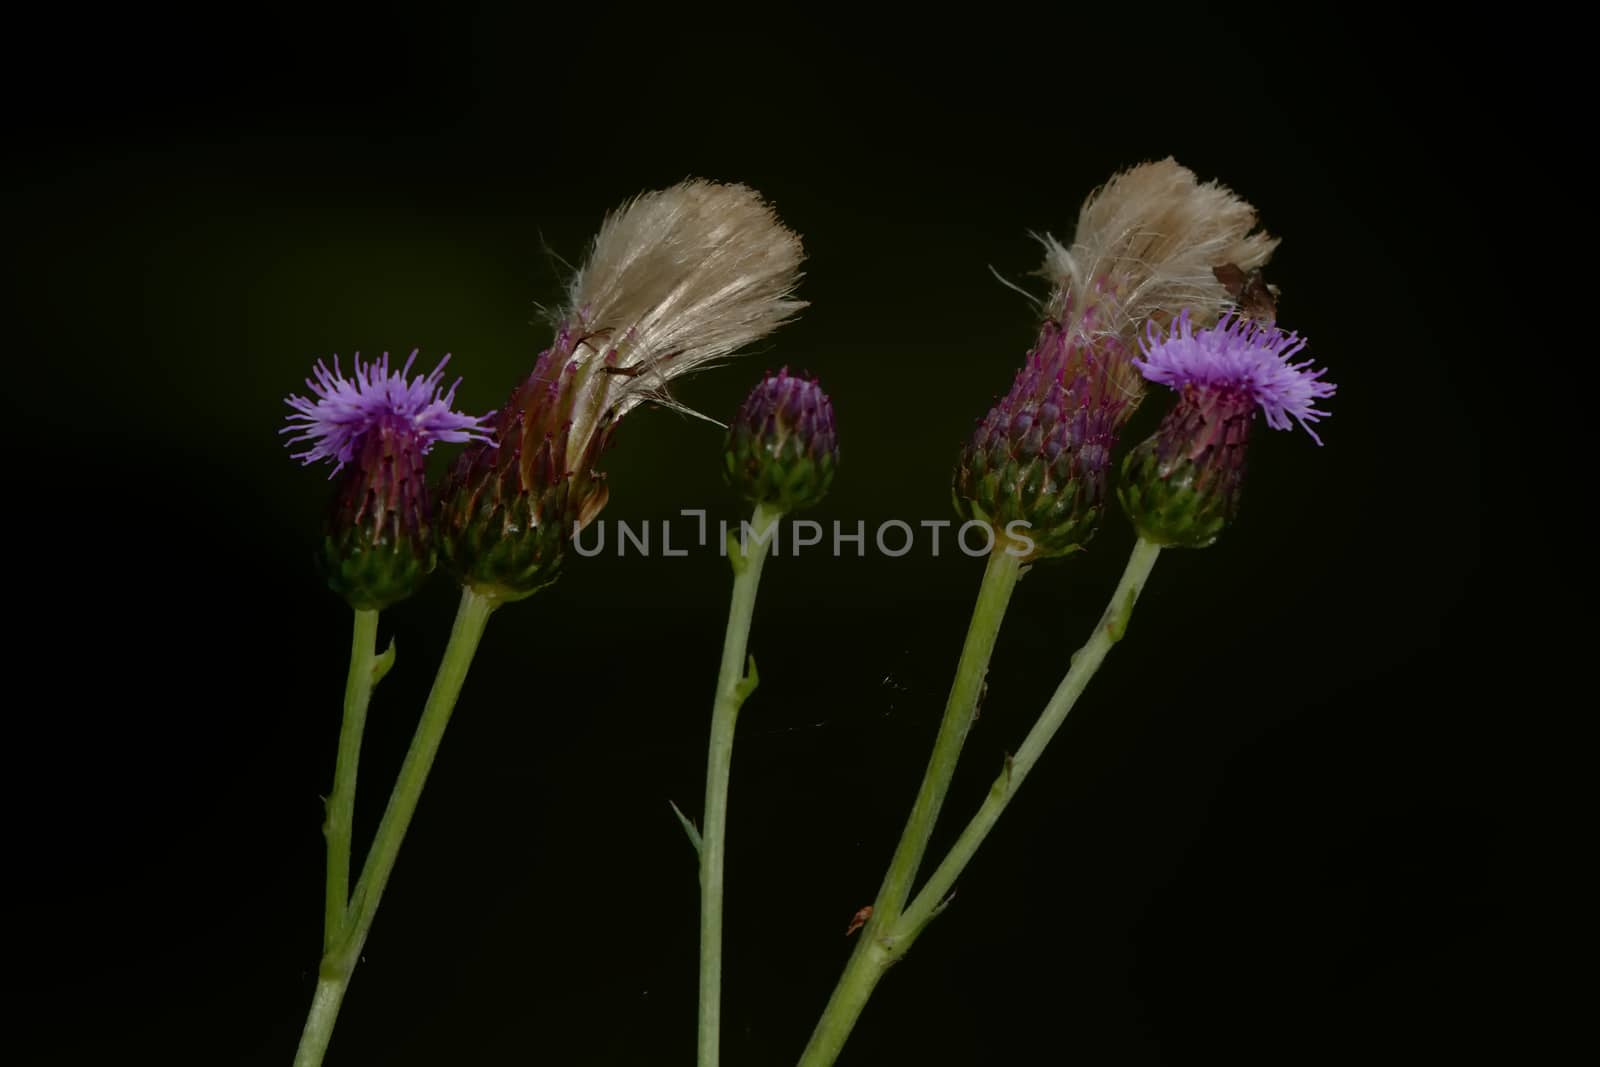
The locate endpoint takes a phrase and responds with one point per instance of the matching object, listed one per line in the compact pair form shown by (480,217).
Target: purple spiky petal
(1239,355)
(342,410)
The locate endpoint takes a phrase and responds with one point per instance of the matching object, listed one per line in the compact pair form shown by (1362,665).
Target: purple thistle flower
(1181,486)
(1242,357)
(345,409)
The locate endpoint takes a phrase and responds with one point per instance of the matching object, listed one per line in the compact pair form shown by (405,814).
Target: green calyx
(371,569)
(1056,505)
(1168,504)
(784,480)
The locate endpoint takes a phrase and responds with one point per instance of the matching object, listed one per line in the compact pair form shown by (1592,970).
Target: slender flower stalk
(736,680)
(877,944)
(1146,246)
(1000,579)
(339,960)
(780,456)
(367,669)
(935,893)
(896,936)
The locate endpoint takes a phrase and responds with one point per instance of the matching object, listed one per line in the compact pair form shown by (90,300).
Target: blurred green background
(1269,828)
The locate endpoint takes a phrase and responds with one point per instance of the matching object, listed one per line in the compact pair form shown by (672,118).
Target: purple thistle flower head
(1041,455)
(341,411)
(782,448)
(1242,357)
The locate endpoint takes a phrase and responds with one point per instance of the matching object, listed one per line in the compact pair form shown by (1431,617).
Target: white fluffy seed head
(1149,239)
(677,279)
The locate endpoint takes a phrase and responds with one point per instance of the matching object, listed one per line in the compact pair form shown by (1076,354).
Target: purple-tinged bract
(1040,457)
(509,507)
(340,410)
(1243,356)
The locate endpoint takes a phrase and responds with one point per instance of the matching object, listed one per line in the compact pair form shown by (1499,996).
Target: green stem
(1113,623)
(338,963)
(320,1019)
(879,945)
(364,671)
(734,684)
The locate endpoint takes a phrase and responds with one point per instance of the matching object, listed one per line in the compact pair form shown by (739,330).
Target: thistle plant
(1195,461)
(780,455)
(1144,251)
(378,547)
(676,279)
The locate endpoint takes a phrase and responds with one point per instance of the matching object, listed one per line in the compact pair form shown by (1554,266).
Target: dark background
(1272,829)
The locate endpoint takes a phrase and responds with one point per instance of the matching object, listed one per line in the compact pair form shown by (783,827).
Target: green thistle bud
(781,449)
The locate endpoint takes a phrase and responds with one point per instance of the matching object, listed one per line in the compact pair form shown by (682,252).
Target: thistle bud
(675,280)
(375,427)
(1180,487)
(1040,456)
(781,449)
(1145,246)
